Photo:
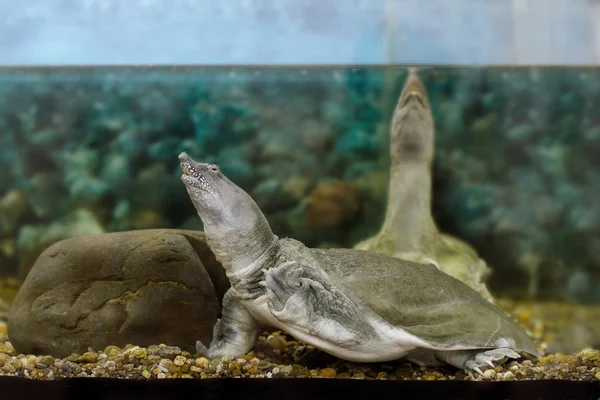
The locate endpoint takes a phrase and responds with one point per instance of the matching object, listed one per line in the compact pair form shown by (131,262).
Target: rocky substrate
(278,355)
(275,356)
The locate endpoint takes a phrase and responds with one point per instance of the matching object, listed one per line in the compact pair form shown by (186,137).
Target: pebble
(179,360)
(47,360)
(89,357)
(489,374)
(202,362)
(508,376)
(168,351)
(328,373)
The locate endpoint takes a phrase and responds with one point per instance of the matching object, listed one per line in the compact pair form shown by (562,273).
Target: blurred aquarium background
(93,150)
(301,119)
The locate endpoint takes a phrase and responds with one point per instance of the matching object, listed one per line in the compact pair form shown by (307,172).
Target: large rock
(32,239)
(140,287)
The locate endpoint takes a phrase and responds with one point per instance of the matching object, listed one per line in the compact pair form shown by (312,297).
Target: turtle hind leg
(472,360)
(234,333)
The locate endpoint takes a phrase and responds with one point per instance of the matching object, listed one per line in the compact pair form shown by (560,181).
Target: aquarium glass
(92,151)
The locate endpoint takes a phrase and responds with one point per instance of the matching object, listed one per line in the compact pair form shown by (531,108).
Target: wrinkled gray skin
(356,305)
(409,231)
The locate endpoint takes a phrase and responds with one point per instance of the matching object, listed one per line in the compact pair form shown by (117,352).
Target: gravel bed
(278,355)
(275,356)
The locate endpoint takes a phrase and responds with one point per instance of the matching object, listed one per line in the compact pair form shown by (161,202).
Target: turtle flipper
(487,358)
(234,333)
(472,360)
(308,303)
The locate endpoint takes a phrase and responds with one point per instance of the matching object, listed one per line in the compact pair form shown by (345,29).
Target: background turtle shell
(422,300)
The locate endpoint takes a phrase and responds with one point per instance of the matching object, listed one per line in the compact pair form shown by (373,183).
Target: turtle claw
(487,358)
(201,348)
(263,283)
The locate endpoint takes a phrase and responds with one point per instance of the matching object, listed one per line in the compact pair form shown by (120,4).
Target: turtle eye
(214,168)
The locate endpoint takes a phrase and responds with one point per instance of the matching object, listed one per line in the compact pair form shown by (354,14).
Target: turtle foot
(202,349)
(487,358)
(217,342)
(282,282)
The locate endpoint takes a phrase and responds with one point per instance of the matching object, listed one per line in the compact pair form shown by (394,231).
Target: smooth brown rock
(140,287)
(331,204)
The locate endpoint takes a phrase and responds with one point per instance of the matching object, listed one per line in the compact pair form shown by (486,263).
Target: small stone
(146,374)
(489,374)
(202,362)
(140,353)
(300,370)
(287,369)
(276,342)
(597,375)
(382,375)
(168,351)
(179,361)
(4,359)
(328,373)
(405,370)
(47,360)
(3,328)
(253,370)
(89,357)
(161,375)
(508,376)
(110,349)
(236,372)
(168,364)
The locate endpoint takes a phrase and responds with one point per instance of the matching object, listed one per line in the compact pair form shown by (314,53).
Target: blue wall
(84,32)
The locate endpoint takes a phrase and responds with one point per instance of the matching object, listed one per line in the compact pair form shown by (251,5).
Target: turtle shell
(422,300)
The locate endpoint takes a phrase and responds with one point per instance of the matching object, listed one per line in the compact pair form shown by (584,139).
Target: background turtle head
(412,132)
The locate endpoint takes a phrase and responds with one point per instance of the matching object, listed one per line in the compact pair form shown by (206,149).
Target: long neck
(241,243)
(408,221)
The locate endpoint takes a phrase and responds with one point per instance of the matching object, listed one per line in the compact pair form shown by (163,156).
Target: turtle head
(215,197)
(237,231)
(412,131)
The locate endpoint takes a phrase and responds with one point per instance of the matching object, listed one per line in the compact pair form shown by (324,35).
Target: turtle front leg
(308,303)
(234,333)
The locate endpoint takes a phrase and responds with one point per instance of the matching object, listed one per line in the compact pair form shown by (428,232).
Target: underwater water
(86,151)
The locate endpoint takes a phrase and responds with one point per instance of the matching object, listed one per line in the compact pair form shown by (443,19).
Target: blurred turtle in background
(409,230)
